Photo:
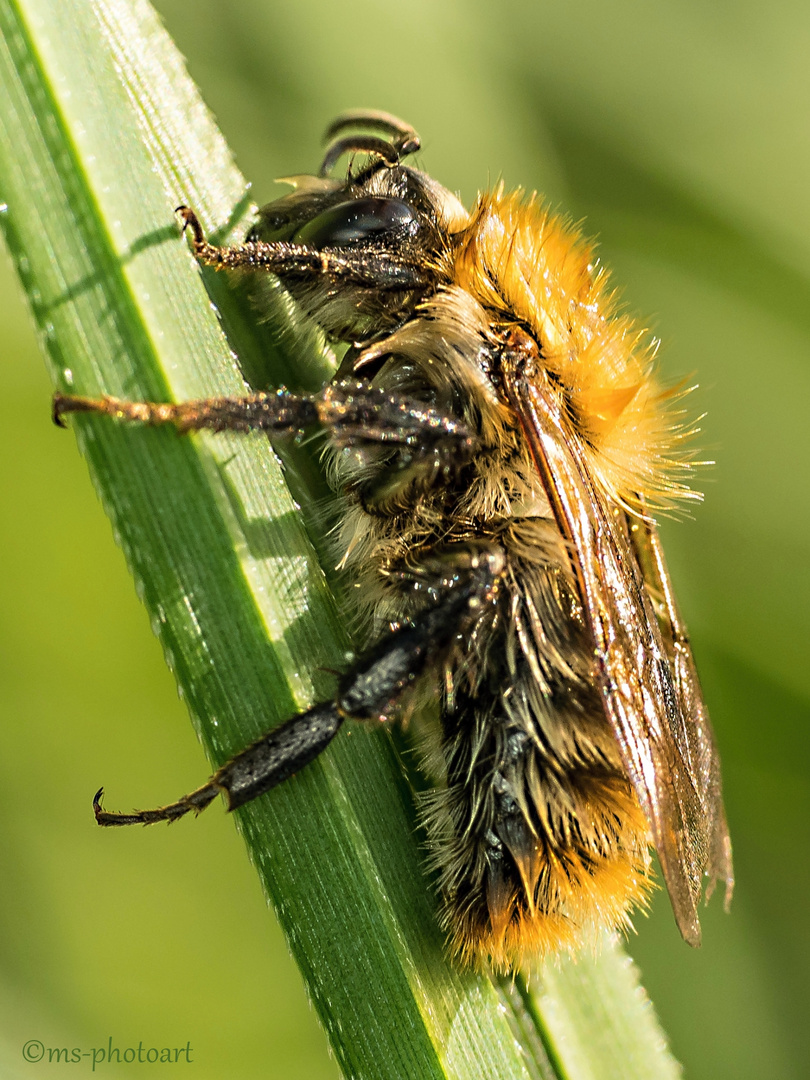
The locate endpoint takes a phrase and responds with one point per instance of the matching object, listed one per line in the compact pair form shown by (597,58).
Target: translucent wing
(642,660)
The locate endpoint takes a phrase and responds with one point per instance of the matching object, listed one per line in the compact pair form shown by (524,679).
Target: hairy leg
(367,266)
(352,413)
(372,686)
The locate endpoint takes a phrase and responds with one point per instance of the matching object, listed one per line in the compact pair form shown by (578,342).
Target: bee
(499,445)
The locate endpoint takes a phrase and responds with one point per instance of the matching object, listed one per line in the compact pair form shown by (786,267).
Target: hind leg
(372,686)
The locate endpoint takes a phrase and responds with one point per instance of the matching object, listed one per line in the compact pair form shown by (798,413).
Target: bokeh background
(680,131)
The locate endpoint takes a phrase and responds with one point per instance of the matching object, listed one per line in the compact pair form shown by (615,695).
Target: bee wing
(698,737)
(643,664)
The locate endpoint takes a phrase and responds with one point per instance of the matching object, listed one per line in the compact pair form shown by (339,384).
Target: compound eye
(356,221)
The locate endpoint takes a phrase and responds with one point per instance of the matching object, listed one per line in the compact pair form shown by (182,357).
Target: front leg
(369,266)
(372,686)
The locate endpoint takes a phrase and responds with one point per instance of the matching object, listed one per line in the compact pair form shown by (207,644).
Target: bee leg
(354,414)
(363,266)
(367,691)
(262,765)
(273,412)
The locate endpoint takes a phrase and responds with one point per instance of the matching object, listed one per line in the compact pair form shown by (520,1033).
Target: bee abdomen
(532,851)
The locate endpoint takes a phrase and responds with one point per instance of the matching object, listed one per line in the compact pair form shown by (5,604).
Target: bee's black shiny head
(383,230)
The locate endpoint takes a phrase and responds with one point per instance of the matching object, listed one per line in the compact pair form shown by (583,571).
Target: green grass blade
(600,1023)
(102,134)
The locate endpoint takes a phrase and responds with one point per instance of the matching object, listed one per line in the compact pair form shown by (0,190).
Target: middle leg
(353,413)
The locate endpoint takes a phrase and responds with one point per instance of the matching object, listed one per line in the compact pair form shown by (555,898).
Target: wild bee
(499,445)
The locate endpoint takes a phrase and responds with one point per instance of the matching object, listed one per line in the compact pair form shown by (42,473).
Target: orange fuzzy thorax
(518,259)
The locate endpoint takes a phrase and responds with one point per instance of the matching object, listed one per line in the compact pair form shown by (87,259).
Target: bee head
(392,220)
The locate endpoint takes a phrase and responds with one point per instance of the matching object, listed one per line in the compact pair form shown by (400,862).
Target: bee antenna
(376,120)
(404,139)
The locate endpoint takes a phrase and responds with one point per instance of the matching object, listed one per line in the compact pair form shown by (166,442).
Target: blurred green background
(680,132)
